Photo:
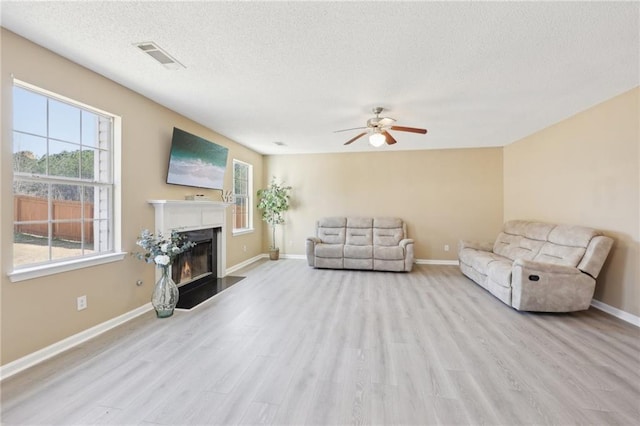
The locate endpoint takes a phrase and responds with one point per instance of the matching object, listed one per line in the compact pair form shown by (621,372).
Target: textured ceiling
(474,74)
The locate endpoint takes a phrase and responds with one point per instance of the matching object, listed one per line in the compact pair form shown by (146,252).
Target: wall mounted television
(195,161)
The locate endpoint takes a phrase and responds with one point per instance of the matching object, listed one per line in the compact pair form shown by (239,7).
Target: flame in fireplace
(185,273)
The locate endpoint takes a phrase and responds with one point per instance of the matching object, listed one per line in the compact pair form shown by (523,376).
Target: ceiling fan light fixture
(377,139)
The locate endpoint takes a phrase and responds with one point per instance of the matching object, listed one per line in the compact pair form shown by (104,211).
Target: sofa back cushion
(544,242)
(359,231)
(516,246)
(566,245)
(388,231)
(572,236)
(560,255)
(332,230)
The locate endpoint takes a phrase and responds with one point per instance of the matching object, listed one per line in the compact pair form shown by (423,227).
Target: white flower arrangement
(160,250)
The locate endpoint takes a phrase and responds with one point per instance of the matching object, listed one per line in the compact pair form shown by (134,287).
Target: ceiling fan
(378,129)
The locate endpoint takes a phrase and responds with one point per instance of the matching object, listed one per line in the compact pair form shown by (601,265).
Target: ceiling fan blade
(408,129)
(346,130)
(390,139)
(357,137)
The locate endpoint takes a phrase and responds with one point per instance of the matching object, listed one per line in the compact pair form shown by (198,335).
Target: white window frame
(30,271)
(249,197)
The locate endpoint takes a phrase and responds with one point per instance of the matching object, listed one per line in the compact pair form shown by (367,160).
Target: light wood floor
(294,345)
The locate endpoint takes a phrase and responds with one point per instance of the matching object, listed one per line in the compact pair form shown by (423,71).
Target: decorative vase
(165,295)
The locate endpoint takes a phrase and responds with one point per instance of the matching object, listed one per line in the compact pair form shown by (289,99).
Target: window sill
(58,267)
(242,232)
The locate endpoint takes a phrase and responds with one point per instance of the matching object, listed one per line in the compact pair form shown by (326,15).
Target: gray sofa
(378,244)
(534,266)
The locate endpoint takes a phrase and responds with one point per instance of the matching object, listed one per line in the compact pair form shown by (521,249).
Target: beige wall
(584,171)
(443,195)
(39,312)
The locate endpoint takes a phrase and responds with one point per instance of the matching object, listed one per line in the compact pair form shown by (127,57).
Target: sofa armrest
(409,259)
(546,268)
(596,254)
(476,245)
(405,242)
(310,249)
(546,287)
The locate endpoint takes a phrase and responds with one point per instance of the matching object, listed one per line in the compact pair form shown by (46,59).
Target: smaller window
(243,196)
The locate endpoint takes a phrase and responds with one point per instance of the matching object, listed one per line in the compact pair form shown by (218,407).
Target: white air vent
(153,50)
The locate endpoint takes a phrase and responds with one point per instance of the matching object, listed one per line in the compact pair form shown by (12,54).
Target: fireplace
(195,271)
(201,272)
(199,262)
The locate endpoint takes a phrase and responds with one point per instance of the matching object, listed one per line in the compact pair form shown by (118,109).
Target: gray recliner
(378,244)
(534,266)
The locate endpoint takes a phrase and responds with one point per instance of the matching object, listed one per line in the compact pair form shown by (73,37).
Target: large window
(242,191)
(63,179)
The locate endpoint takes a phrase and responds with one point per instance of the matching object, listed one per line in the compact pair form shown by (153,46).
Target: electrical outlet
(244,248)
(446,247)
(82,302)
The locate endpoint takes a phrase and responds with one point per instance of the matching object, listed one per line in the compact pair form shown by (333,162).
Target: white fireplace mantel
(187,215)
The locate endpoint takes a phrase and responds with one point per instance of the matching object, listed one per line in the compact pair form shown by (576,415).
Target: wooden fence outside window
(27,208)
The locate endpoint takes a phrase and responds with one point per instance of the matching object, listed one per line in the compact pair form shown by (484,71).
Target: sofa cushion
(499,272)
(387,222)
(388,265)
(358,252)
(359,231)
(538,230)
(331,230)
(515,227)
(516,246)
(329,262)
(333,222)
(388,253)
(478,259)
(364,264)
(573,236)
(387,231)
(387,237)
(360,222)
(329,250)
(560,255)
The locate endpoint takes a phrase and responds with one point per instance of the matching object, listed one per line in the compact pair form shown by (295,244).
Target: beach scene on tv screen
(196,162)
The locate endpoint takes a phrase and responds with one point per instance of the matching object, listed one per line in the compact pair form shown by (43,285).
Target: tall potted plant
(274,201)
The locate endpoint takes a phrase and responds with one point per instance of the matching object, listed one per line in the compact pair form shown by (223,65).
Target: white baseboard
(618,313)
(50,351)
(247,262)
(436,262)
(294,256)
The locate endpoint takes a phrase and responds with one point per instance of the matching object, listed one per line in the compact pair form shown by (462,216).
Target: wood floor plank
(259,413)
(292,345)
